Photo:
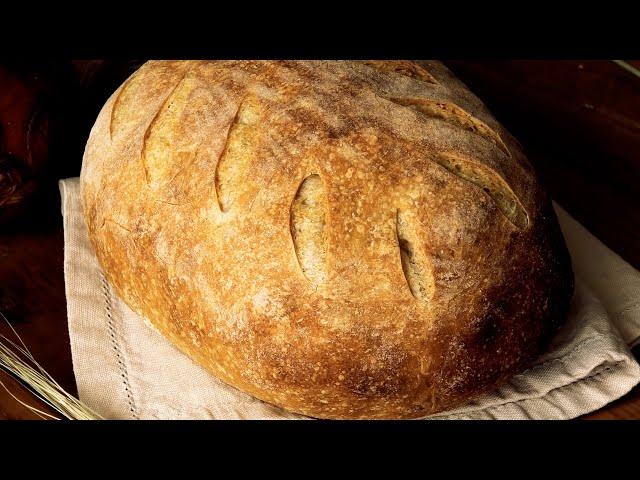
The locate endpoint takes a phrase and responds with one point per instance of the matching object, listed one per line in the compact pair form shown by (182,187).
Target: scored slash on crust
(415,263)
(455,115)
(403,67)
(474,172)
(150,129)
(223,172)
(307,226)
(490,182)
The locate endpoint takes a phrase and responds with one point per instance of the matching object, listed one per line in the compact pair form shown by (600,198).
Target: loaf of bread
(341,239)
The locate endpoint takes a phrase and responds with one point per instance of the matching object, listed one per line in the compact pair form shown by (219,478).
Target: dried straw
(17,360)
(628,67)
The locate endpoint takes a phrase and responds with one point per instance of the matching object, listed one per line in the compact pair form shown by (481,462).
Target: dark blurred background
(46,112)
(578,121)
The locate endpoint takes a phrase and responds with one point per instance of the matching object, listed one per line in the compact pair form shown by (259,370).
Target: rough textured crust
(420,265)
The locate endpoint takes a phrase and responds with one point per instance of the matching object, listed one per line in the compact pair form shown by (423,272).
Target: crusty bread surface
(344,239)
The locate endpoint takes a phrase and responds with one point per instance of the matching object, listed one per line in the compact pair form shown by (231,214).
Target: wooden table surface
(579,122)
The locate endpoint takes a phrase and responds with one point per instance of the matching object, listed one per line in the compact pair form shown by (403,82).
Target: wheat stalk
(17,360)
(628,67)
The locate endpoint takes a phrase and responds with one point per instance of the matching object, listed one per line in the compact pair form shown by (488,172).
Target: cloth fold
(125,369)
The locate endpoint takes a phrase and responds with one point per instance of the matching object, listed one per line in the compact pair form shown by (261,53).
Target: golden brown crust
(419,264)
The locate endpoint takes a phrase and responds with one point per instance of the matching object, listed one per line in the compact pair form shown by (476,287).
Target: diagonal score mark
(403,67)
(307,227)
(145,154)
(453,114)
(489,181)
(115,110)
(474,172)
(171,145)
(237,153)
(415,265)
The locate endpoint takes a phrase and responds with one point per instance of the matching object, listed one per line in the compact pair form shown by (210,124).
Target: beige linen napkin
(126,370)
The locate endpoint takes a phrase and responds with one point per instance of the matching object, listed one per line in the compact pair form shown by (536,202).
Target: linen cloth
(125,369)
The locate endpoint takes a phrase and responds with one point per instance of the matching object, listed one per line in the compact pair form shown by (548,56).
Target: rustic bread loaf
(342,239)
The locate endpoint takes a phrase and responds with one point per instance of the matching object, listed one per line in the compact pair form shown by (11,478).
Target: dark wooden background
(579,122)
